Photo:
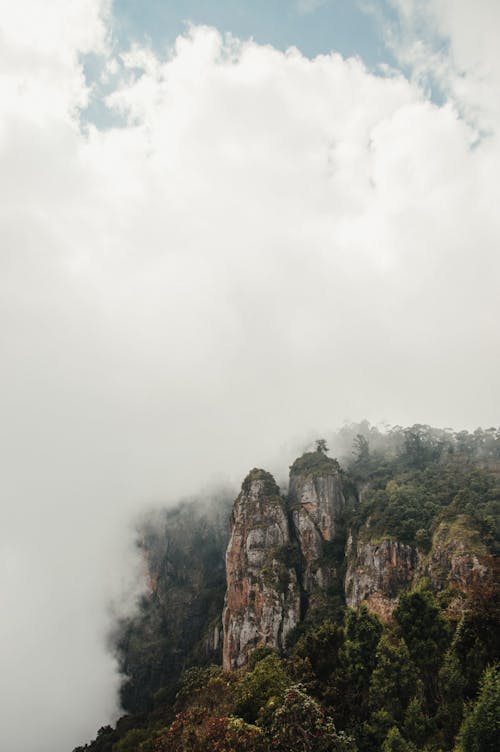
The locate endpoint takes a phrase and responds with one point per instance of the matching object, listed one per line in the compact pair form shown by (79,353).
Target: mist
(260,247)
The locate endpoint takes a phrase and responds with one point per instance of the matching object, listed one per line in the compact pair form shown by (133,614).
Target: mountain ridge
(418,514)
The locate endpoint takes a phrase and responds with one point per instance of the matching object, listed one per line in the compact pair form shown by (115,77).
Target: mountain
(360,608)
(262,603)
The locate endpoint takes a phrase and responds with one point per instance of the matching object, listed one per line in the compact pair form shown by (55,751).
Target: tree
(451,689)
(196,731)
(394,742)
(267,680)
(321,446)
(426,633)
(480,730)
(361,449)
(394,678)
(416,724)
(321,646)
(301,724)
(420,446)
(357,658)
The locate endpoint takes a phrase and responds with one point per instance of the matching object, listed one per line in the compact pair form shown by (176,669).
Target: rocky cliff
(318,507)
(411,510)
(363,534)
(262,603)
(458,556)
(377,571)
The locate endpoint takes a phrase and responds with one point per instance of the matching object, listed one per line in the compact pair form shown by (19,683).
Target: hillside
(359,610)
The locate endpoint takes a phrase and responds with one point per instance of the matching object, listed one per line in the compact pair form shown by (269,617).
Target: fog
(262,247)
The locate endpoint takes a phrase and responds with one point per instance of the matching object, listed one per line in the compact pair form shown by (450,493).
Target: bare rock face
(377,572)
(458,556)
(318,505)
(262,600)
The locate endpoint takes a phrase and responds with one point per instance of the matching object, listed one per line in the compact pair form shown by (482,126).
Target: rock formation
(457,557)
(318,505)
(377,572)
(262,601)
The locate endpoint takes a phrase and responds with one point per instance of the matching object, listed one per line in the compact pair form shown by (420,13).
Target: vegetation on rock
(426,679)
(315,463)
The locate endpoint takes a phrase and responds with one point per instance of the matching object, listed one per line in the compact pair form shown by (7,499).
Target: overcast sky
(210,248)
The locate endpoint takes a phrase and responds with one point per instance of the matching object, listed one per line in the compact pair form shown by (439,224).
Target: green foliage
(361,449)
(195,731)
(301,724)
(184,547)
(267,680)
(371,733)
(480,730)
(394,742)
(316,464)
(451,690)
(132,741)
(423,540)
(259,654)
(426,633)
(400,687)
(394,678)
(208,688)
(269,484)
(416,725)
(408,497)
(476,641)
(321,646)
(420,447)
(321,446)
(357,659)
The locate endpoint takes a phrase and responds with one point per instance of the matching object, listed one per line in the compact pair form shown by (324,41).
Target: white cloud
(453,43)
(271,244)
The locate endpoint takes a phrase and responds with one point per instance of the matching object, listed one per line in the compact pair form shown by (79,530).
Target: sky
(314,26)
(224,227)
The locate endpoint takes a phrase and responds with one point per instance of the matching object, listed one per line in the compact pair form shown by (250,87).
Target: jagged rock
(377,572)
(262,601)
(318,506)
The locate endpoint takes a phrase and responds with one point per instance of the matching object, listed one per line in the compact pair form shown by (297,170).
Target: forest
(423,678)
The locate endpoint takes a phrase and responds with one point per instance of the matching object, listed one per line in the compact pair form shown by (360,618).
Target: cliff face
(318,506)
(457,557)
(279,557)
(291,560)
(179,616)
(262,601)
(377,572)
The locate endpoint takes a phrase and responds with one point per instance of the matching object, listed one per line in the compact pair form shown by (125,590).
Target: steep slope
(434,523)
(178,622)
(262,603)
(410,529)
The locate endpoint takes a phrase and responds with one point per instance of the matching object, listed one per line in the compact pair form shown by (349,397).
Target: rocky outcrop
(457,557)
(377,572)
(262,601)
(318,505)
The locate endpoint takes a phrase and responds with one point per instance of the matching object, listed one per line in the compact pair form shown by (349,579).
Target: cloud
(269,245)
(451,44)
